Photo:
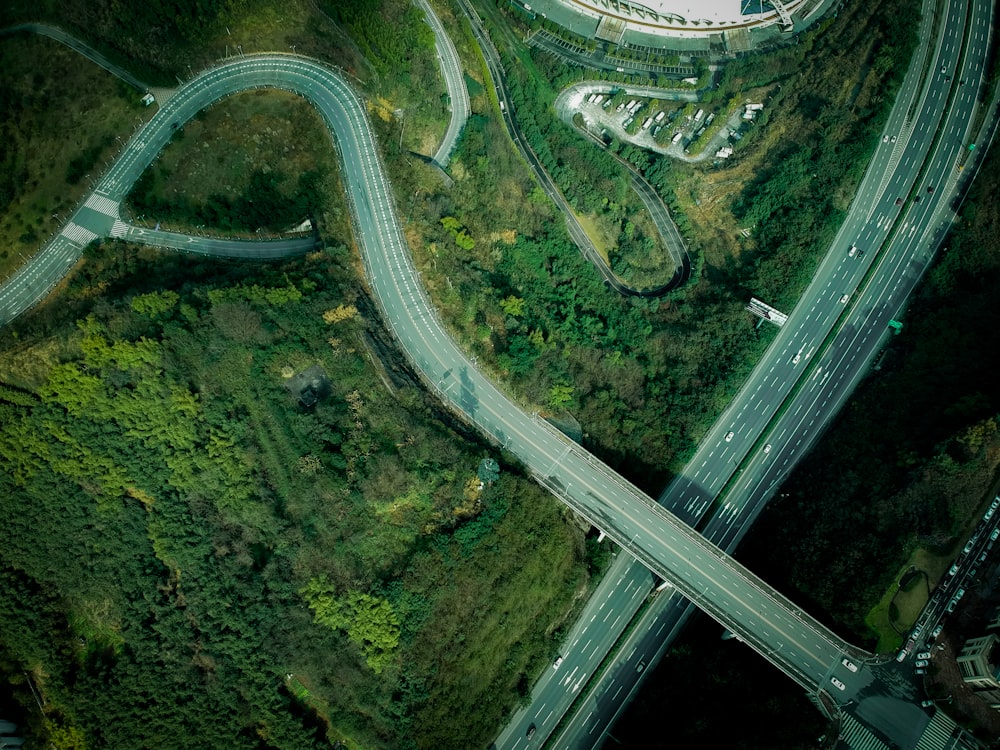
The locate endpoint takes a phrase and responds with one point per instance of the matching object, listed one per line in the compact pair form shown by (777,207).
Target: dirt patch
(600,233)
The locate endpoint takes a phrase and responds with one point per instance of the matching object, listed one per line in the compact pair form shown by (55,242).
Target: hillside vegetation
(190,545)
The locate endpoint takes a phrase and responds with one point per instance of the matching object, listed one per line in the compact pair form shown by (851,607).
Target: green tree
(560,395)
(513,306)
(155,304)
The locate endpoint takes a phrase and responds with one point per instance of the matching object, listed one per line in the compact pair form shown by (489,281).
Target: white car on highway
(849,664)
(729,436)
(837,683)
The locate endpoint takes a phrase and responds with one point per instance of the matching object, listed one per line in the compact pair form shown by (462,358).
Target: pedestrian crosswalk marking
(78,235)
(103,205)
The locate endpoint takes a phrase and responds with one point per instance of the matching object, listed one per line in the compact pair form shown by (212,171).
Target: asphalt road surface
(454,81)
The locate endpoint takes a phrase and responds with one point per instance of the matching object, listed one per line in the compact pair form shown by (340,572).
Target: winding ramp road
(577,233)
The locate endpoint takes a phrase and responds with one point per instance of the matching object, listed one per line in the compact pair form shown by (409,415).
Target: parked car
(937,631)
(924,655)
(921,663)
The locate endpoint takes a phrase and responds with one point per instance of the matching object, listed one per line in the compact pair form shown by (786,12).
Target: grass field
(214,157)
(903,602)
(62,118)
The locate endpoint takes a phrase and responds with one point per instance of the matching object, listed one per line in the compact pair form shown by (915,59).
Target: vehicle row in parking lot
(960,574)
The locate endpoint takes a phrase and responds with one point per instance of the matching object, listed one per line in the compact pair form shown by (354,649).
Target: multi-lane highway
(892,219)
(828,344)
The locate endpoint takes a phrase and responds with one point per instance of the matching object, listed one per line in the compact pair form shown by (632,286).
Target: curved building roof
(686,17)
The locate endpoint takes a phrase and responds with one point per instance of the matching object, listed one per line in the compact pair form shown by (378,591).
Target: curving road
(576,231)
(670,235)
(454,81)
(725,589)
(75,44)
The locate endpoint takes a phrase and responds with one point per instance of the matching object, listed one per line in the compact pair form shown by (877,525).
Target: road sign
(766,312)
